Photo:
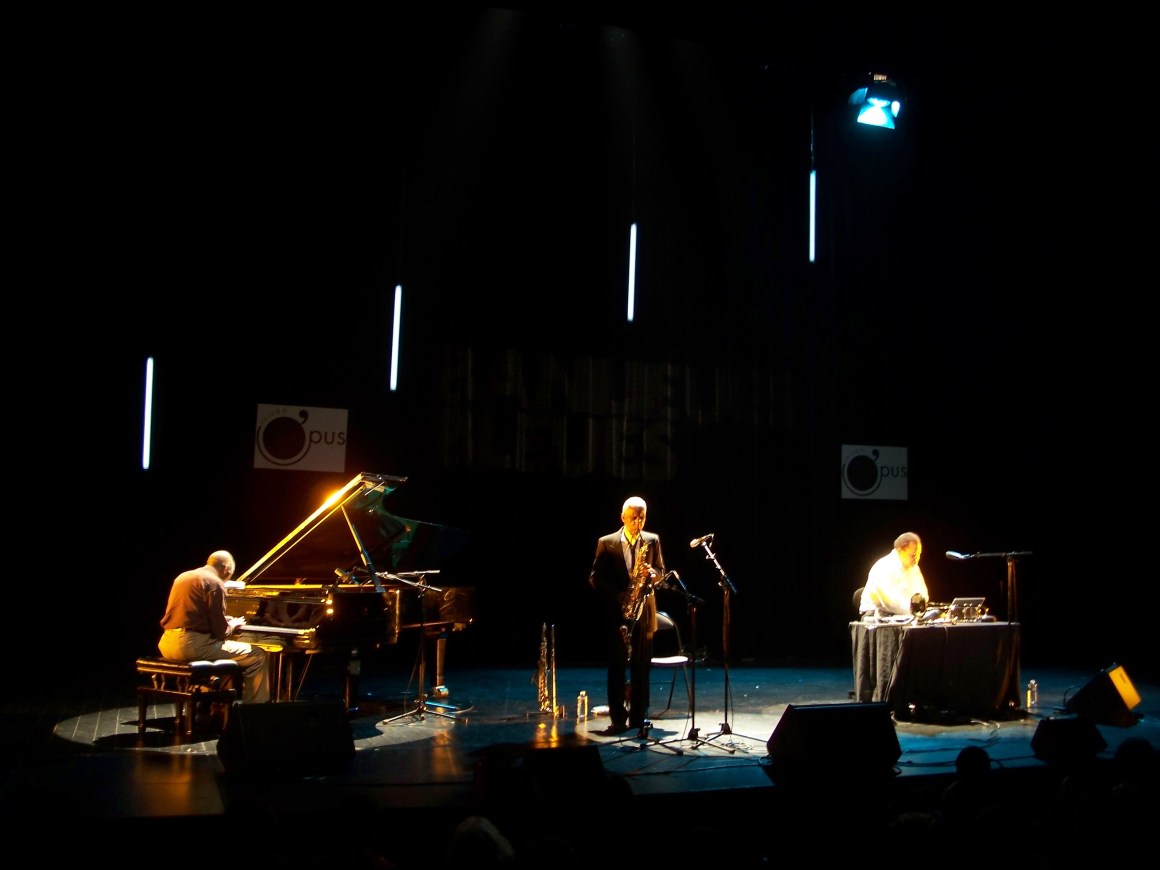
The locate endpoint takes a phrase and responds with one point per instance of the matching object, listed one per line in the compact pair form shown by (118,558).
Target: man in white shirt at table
(895,581)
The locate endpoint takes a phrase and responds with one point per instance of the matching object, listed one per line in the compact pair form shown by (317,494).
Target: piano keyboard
(275,629)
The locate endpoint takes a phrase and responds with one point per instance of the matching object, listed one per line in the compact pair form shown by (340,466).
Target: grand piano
(352,578)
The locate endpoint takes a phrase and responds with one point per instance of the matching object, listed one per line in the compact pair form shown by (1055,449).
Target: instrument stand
(644,741)
(545,673)
(647,742)
(727,590)
(421,706)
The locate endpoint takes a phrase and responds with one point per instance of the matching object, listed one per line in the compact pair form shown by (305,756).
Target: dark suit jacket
(611,580)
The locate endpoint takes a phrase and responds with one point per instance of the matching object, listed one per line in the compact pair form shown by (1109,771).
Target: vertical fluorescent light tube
(395,338)
(631,271)
(813,212)
(147,437)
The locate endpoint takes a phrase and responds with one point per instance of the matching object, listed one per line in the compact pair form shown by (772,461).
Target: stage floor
(477,750)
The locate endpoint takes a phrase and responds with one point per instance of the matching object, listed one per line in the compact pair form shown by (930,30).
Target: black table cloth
(939,670)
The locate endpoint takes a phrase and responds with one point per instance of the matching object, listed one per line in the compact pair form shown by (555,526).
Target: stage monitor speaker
(833,740)
(1108,698)
(296,738)
(1066,740)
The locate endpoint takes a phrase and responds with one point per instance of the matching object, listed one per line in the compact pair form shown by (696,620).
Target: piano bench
(187,685)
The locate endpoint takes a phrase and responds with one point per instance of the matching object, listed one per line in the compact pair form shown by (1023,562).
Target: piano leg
(439,690)
(276,673)
(277,654)
(353,670)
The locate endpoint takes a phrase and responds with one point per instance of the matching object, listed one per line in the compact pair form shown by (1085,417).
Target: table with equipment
(938,670)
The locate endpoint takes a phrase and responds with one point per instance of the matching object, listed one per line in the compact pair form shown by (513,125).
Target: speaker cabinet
(833,740)
(576,769)
(569,773)
(298,738)
(1107,699)
(1066,740)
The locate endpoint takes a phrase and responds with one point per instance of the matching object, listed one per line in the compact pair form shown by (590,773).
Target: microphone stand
(1012,595)
(421,707)
(727,591)
(694,735)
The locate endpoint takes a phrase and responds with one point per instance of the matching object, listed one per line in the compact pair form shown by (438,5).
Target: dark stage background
(238,194)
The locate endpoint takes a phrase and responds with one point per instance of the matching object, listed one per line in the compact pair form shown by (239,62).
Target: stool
(187,684)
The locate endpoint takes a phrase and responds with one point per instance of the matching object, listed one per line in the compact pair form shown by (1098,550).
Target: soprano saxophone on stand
(546,672)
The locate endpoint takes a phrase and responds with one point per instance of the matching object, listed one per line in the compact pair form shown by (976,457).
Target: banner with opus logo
(874,472)
(296,438)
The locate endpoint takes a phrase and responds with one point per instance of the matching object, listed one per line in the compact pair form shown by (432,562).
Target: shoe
(613,730)
(642,733)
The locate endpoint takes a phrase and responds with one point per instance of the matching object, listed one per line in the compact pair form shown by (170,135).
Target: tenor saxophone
(639,591)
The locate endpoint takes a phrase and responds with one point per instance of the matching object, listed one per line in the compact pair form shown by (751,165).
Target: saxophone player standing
(627,563)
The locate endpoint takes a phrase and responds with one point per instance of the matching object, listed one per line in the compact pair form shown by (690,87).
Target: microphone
(696,542)
(958,557)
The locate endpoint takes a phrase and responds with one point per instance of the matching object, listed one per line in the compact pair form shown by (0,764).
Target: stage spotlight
(878,103)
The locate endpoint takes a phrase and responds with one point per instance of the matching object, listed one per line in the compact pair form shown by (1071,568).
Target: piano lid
(352,533)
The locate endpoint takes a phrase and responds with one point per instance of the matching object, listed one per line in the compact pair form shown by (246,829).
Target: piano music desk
(186,684)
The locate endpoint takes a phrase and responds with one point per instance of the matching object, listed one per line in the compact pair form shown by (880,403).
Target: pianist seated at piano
(895,586)
(196,626)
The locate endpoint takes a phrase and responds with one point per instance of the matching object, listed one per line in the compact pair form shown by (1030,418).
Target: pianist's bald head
(222,562)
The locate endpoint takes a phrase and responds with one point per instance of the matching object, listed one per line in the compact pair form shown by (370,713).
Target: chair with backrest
(670,652)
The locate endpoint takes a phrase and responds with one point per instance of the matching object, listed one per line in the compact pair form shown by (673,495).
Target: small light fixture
(879,103)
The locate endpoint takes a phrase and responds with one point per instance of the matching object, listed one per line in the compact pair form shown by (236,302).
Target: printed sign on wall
(874,472)
(300,439)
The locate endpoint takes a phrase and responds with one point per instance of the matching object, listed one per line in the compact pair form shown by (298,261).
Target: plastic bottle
(1032,694)
(582,706)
